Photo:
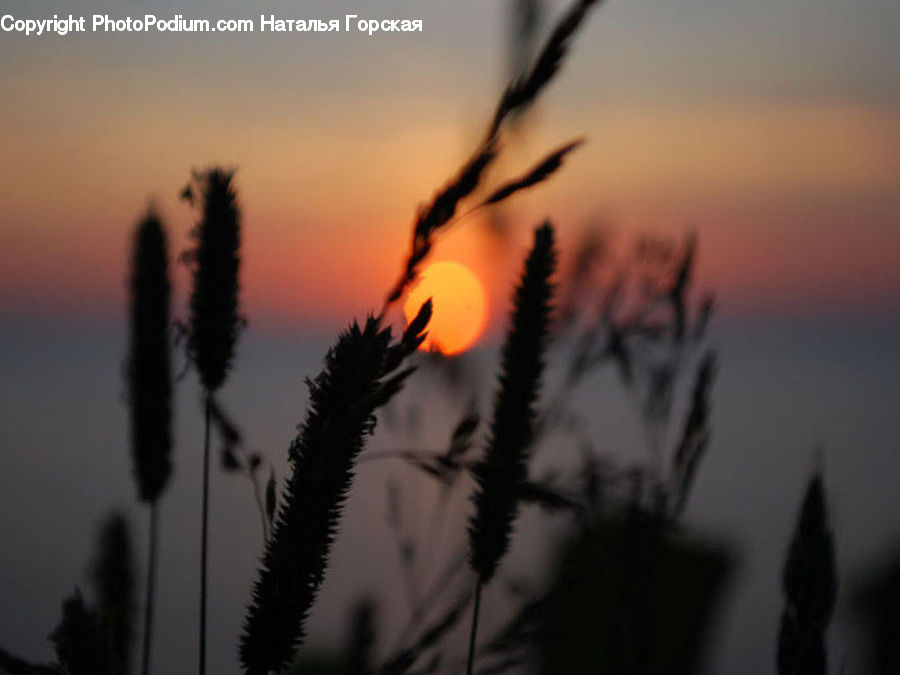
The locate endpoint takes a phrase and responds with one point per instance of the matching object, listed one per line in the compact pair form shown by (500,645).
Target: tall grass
(360,375)
(113,580)
(214,323)
(503,471)
(149,379)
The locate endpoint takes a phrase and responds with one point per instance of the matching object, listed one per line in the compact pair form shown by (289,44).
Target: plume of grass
(809,582)
(214,321)
(360,375)
(78,639)
(539,173)
(517,97)
(113,577)
(502,472)
(150,387)
(524,90)
(149,368)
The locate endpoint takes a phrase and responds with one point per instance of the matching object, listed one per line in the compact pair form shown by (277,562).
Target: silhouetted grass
(359,376)
(150,388)
(214,321)
(149,368)
(503,471)
(78,639)
(113,577)
(517,97)
(809,583)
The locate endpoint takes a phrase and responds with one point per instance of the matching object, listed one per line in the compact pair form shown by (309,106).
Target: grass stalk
(152,551)
(204,535)
(473,634)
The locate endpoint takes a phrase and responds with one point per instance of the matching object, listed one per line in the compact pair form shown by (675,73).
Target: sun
(460,306)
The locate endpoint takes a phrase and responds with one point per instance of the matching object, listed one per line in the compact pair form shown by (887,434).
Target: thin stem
(471,661)
(204,534)
(260,507)
(151,590)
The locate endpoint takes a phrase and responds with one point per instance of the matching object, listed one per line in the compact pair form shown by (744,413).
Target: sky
(771,128)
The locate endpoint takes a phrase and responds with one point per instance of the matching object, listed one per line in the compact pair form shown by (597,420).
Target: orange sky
(796,197)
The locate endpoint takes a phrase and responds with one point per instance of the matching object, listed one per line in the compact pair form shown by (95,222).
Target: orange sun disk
(460,306)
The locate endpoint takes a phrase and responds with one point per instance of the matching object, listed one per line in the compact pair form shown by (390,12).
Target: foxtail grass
(502,472)
(149,382)
(214,323)
(361,374)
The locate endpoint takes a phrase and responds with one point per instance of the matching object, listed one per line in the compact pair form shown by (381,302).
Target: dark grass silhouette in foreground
(810,588)
(214,322)
(362,372)
(503,471)
(149,378)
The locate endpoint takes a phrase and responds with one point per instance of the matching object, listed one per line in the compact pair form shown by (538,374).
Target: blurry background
(771,129)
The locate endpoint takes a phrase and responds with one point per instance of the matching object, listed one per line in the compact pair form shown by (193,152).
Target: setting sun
(460,307)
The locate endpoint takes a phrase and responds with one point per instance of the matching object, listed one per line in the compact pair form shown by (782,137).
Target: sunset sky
(771,128)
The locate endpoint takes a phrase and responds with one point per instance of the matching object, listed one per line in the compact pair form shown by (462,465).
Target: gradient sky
(772,128)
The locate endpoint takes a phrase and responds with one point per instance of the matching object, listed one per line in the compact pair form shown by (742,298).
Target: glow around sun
(460,306)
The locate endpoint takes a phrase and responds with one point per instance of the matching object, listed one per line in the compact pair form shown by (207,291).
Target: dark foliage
(149,372)
(359,376)
(878,605)
(627,598)
(114,586)
(78,639)
(809,582)
(503,470)
(214,320)
(16,666)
